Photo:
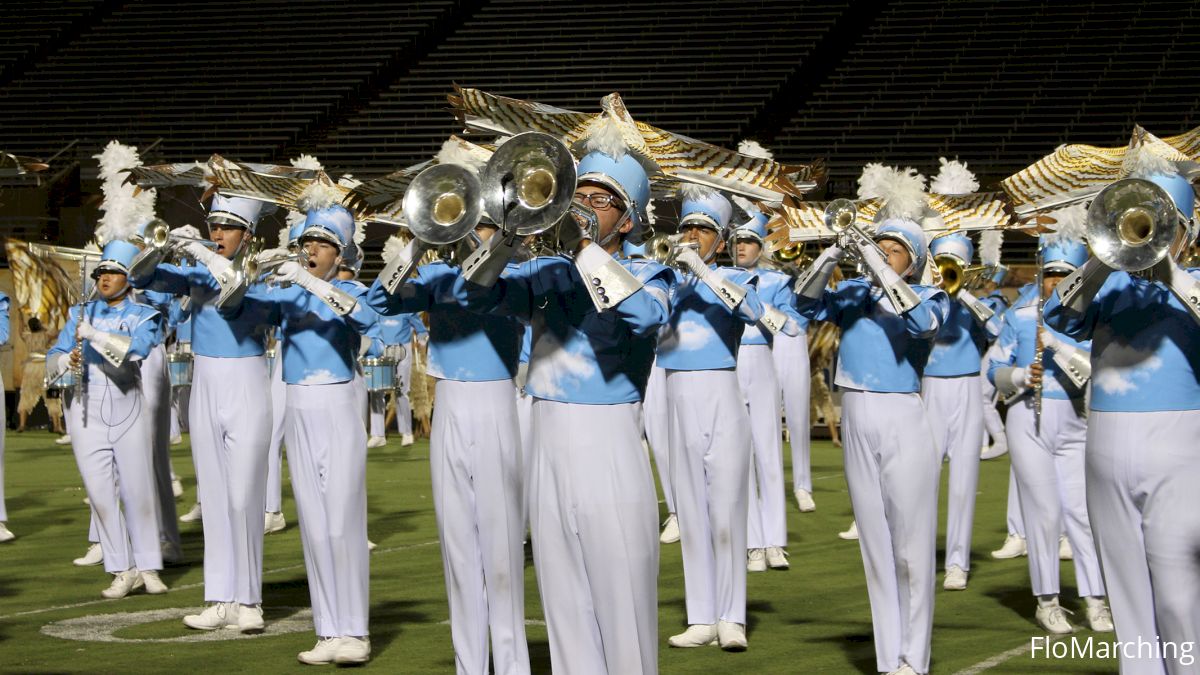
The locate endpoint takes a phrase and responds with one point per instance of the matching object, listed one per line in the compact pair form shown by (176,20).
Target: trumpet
(1131,224)
(665,248)
(951,271)
(159,243)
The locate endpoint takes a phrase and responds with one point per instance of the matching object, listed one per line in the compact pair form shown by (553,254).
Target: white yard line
(1000,658)
(200,584)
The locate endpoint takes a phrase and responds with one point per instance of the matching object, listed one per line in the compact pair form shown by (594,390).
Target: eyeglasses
(598,200)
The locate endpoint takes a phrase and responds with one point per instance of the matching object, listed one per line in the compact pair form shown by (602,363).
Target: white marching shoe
(122,584)
(1064,548)
(777,558)
(904,670)
(1014,547)
(65,439)
(325,651)
(670,531)
(154,585)
(376,442)
(371,546)
(696,635)
(274,522)
(1098,615)
(1053,618)
(193,515)
(6,534)
(731,636)
(353,650)
(406,440)
(852,533)
(94,556)
(993,451)
(250,619)
(956,579)
(216,615)
(177,439)
(756,560)
(805,501)
(176,488)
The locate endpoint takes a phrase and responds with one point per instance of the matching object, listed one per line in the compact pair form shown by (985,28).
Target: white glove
(272,254)
(1020,379)
(690,259)
(217,264)
(812,282)
(339,301)
(85,330)
(187,231)
(1049,341)
(289,272)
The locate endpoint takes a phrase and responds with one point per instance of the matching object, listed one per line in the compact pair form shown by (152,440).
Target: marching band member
(1142,467)
(474,458)
(1046,432)
(5,533)
(766,531)
(322,318)
(993,299)
(274,521)
(891,455)
(229,419)
(709,431)
(110,432)
(952,395)
(655,424)
(589,490)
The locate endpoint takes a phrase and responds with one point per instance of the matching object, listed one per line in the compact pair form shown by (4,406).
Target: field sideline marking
(1000,658)
(200,584)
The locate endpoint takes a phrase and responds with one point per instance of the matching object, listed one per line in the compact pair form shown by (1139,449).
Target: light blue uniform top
(578,354)
(140,322)
(774,289)
(703,334)
(526,344)
(959,345)
(880,351)
(1018,342)
(393,330)
(162,303)
(1145,345)
(463,346)
(4,321)
(213,334)
(319,347)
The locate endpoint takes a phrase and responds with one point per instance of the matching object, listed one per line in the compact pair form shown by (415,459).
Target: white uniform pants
(892,467)
(594,522)
(275,448)
(231,428)
(710,462)
(115,457)
(475,463)
(156,385)
(403,403)
(1016,524)
(327,456)
(792,368)
(1143,470)
(656,424)
(181,398)
(376,409)
(766,513)
(954,410)
(3,430)
(1050,478)
(993,426)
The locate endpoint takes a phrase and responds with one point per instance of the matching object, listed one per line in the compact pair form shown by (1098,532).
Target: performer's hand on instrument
(188,231)
(1033,374)
(1047,340)
(84,331)
(689,258)
(289,272)
(76,357)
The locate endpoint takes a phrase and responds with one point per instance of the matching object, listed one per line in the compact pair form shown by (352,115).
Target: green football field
(811,618)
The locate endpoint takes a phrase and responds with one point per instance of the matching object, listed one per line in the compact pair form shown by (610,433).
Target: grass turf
(811,618)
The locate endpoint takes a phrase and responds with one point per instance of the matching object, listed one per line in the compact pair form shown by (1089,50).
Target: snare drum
(179,367)
(66,381)
(379,374)
(395,352)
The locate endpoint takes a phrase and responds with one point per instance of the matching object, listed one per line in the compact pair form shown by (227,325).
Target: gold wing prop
(1074,173)
(978,211)
(676,155)
(382,199)
(21,165)
(42,285)
(795,221)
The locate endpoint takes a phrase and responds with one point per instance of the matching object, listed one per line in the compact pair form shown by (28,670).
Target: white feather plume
(989,246)
(604,135)
(902,190)
(694,191)
(307,162)
(349,181)
(283,234)
(752,148)
(1070,224)
(1142,162)
(650,213)
(953,178)
(124,211)
(360,233)
(318,195)
(454,152)
(294,218)
(392,248)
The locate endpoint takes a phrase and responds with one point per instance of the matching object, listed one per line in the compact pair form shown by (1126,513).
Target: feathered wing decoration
(678,156)
(382,199)
(1070,224)
(42,285)
(125,207)
(1075,172)
(19,165)
(990,243)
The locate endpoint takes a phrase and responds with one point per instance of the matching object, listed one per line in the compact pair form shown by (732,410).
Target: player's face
(485,232)
(897,256)
(608,215)
(322,256)
(1050,281)
(748,252)
(227,238)
(110,285)
(704,238)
